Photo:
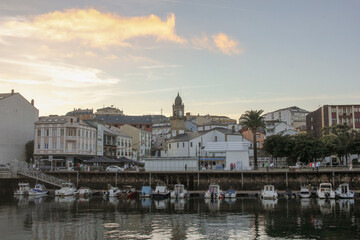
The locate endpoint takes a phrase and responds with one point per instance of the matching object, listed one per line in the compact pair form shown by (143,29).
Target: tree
(29,151)
(338,140)
(307,148)
(253,120)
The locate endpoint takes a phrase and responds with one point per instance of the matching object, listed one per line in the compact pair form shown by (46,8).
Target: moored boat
(325,191)
(23,189)
(146,192)
(129,192)
(179,191)
(214,192)
(83,192)
(343,191)
(38,190)
(112,192)
(67,189)
(304,192)
(269,192)
(230,193)
(161,192)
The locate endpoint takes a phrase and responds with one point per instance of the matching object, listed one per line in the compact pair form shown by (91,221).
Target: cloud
(91,27)
(226,44)
(221,41)
(53,74)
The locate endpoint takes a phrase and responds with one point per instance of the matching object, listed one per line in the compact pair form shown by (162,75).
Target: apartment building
(60,139)
(329,115)
(17,118)
(141,140)
(293,116)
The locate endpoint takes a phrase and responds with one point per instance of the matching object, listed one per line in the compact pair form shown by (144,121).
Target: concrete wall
(171,164)
(17,118)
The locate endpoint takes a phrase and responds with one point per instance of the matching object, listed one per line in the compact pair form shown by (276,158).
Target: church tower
(178,118)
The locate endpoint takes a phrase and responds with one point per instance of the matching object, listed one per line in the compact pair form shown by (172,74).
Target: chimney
(12,91)
(32,102)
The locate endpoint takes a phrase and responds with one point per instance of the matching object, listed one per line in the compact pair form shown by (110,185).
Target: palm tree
(253,120)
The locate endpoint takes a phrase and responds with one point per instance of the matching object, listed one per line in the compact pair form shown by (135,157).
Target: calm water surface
(243,218)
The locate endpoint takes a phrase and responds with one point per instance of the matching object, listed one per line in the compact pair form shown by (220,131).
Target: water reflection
(246,218)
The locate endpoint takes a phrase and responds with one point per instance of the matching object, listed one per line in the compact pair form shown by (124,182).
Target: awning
(99,159)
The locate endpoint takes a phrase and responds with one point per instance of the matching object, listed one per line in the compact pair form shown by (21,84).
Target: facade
(59,139)
(293,116)
(109,111)
(178,118)
(260,138)
(210,119)
(329,115)
(161,132)
(83,114)
(124,144)
(141,140)
(274,127)
(17,118)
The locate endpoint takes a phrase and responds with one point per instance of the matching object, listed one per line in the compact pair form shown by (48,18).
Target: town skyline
(224,59)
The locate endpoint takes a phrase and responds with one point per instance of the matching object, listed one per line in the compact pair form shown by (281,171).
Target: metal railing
(26,170)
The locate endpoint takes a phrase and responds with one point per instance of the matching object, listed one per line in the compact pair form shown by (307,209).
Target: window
(79,132)
(47,132)
(62,132)
(215,138)
(183,144)
(190,144)
(61,145)
(257,136)
(177,145)
(356,109)
(147,126)
(333,110)
(169,145)
(38,146)
(39,132)
(78,145)
(54,145)
(54,132)
(46,146)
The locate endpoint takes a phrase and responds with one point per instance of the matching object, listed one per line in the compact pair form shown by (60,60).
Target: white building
(274,127)
(293,116)
(211,147)
(59,139)
(17,118)
(141,140)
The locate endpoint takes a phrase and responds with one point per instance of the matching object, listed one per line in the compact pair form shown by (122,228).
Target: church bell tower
(178,118)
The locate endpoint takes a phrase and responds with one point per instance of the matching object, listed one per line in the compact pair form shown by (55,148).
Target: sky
(223,57)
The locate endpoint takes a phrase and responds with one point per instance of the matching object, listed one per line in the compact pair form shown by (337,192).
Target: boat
(161,192)
(325,191)
(269,192)
(129,192)
(83,192)
(179,191)
(23,189)
(38,190)
(269,203)
(146,192)
(304,192)
(214,192)
(230,193)
(67,189)
(112,192)
(343,191)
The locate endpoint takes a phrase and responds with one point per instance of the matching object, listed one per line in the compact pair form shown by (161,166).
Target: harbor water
(195,218)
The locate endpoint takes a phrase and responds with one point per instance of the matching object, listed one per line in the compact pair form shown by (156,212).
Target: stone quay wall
(240,181)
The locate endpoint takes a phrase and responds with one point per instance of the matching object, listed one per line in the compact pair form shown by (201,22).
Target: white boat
(304,192)
(179,191)
(67,189)
(161,192)
(325,191)
(269,192)
(113,192)
(214,192)
(38,190)
(343,191)
(230,193)
(23,189)
(83,192)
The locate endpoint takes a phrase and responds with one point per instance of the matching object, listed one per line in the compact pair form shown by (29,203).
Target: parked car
(114,168)
(4,167)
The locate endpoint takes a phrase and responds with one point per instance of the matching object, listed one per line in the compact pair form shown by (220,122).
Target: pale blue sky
(281,53)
